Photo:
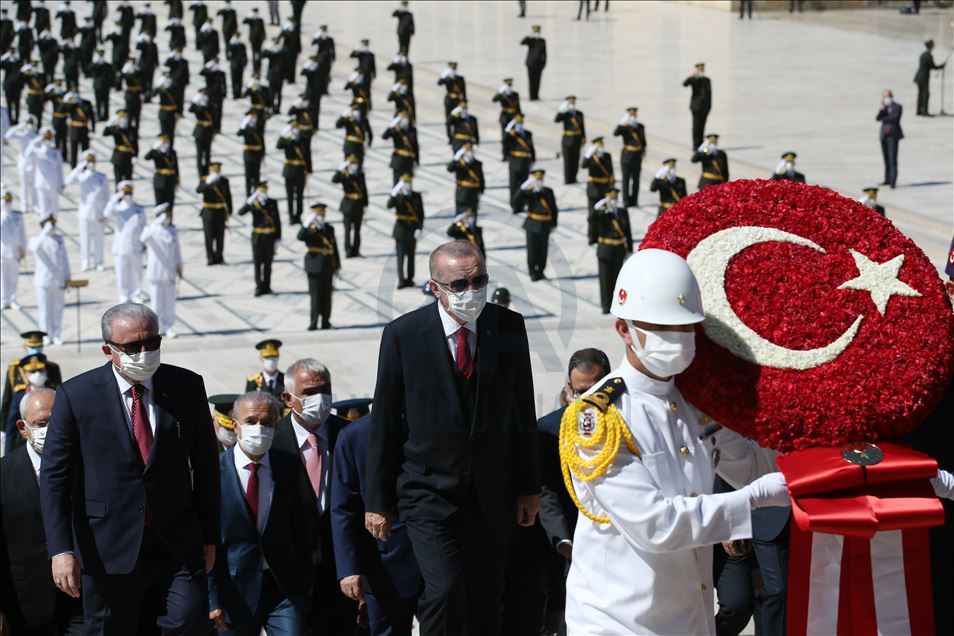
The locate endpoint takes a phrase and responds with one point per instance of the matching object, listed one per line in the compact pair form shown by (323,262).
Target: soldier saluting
(715,163)
(204,130)
(322,262)
(785,170)
(266,235)
(631,159)
(295,171)
(464,127)
(574,135)
(541,219)
(671,188)
(166,175)
(357,130)
(456,91)
(126,146)
(465,228)
(520,151)
(408,226)
(216,210)
(406,154)
(469,173)
(353,202)
(253,148)
(609,230)
(509,101)
(600,166)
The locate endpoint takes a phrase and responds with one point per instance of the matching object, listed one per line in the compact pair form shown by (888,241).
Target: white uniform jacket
(129,220)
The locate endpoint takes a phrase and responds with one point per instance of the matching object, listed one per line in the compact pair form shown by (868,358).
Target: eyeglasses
(477,282)
(130,348)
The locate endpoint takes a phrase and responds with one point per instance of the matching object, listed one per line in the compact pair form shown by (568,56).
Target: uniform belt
(404,153)
(252,147)
(354,196)
(305,128)
(263,230)
(166,171)
(258,106)
(133,90)
(540,217)
(521,154)
(78,124)
(464,136)
(173,107)
(600,180)
(454,95)
(508,109)
(572,133)
(214,206)
(633,148)
(407,218)
(712,175)
(609,241)
(294,162)
(358,140)
(125,149)
(203,122)
(33,91)
(59,115)
(467,184)
(666,204)
(324,251)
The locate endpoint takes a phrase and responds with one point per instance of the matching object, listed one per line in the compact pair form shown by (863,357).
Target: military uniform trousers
(631,162)
(60,132)
(466,199)
(9,271)
(353,212)
(535,73)
(203,150)
(263,251)
(128,274)
(924,95)
(355,148)
(102,103)
(699,118)
(213,226)
(122,167)
(134,108)
(594,192)
(167,122)
(253,169)
(519,171)
(610,260)
(294,191)
(571,145)
(405,247)
(538,244)
(237,72)
(79,139)
(320,286)
(401,165)
(163,297)
(164,186)
(91,242)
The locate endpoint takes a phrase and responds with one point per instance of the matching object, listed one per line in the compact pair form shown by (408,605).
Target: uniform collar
(639,381)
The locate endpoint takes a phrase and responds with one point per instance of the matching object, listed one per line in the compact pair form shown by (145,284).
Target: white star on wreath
(880,279)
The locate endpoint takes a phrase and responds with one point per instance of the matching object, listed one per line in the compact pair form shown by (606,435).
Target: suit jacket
(256,381)
(701,100)
(890,118)
(95,491)
(430,452)
(235,582)
(536,51)
(323,239)
(389,566)
(558,513)
(26,585)
(925,66)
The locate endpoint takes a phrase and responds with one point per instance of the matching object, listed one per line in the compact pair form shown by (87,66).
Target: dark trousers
(352,232)
(275,88)
(632,164)
(253,170)
(923,95)
(519,171)
(698,127)
(772,559)
(538,242)
(158,593)
(463,563)
(405,249)
(276,614)
(13,105)
(534,72)
(610,262)
(390,615)
(889,151)
(164,188)
(290,69)
(733,582)
(67,620)
(262,255)
(78,141)
(295,192)
(59,135)
(148,75)
(404,42)
(237,73)
(122,169)
(203,155)
(524,599)
(167,124)
(331,613)
(215,109)
(742,6)
(102,104)
(257,58)
(319,289)
(133,109)
(213,226)
(571,157)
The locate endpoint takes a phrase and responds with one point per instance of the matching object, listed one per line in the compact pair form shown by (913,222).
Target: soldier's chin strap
(609,431)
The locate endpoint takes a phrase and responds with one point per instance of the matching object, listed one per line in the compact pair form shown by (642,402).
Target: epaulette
(607,394)
(19,387)
(253,377)
(12,370)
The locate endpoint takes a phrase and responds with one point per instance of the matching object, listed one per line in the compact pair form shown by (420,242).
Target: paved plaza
(810,83)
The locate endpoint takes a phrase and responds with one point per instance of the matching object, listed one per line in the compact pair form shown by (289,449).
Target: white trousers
(128,275)
(49,302)
(27,192)
(47,202)
(164,303)
(91,239)
(9,271)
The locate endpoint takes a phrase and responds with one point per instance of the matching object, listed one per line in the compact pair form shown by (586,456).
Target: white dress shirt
(125,392)
(321,433)
(35,460)
(450,332)
(265,481)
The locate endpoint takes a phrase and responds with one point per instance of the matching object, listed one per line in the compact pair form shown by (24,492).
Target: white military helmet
(657,286)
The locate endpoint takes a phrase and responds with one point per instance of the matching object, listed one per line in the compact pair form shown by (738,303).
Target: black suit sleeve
(60,461)
(551,507)
(385,438)
(525,445)
(203,457)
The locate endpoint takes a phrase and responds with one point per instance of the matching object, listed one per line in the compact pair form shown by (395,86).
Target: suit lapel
(166,424)
(232,488)
(119,415)
(432,335)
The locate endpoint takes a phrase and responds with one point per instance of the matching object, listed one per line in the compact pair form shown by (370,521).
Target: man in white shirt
(163,266)
(128,219)
(94,195)
(50,275)
(12,249)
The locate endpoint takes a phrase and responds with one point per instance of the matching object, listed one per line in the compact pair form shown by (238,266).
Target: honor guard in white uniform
(50,275)
(640,462)
(94,195)
(12,248)
(163,266)
(25,132)
(128,219)
(48,178)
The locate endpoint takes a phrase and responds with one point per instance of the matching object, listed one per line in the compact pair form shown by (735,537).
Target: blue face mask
(34,350)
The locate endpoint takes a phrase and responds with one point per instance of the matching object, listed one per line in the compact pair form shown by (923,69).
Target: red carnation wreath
(825,324)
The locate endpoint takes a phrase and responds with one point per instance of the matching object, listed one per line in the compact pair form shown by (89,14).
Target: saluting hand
(527,508)
(379,524)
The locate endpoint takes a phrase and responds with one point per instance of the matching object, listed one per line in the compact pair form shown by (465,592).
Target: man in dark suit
(891,135)
(30,604)
(536,59)
(923,78)
(453,443)
(129,487)
(269,379)
(382,573)
(308,434)
(258,581)
(700,103)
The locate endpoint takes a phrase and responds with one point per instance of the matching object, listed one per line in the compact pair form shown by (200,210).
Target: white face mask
(37,438)
(887,101)
(37,378)
(138,367)
(256,439)
(128,198)
(666,353)
(467,304)
(226,437)
(270,364)
(518,127)
(166,220)
(314,408)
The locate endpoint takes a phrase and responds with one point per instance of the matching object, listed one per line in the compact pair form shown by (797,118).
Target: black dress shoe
(312,327)
(326,325)
(259,292)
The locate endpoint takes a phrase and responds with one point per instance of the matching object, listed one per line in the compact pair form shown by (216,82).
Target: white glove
(309,219)
(768,490)
(943,485)
(662,173)
(417,237)
(213,177)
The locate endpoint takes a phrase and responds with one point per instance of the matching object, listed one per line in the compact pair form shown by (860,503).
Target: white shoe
(100,267)
(171,334)
(57,341)
(15,305)
(85,268)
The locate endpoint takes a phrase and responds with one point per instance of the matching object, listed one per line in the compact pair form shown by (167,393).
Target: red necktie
(140,423)
(465,364)
(251,491)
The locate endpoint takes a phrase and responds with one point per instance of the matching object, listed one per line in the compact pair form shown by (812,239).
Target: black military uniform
(49,50)
(295,172)
(87,44)
(509,101)
(353,203)
(133,95)
(127,19)
(322,261)
(408,222)
(672,189)
(601,177)
(179,72)
(238,60)
(273,384)
(403,98)
(574,134)
(789,174)
(100,11)
(521,153)
(405,26)
(470,180)
(71,62)
(291,43)
(168,107)
(403,69)
(456,92)
(229,20)
(12,83)
(358,86)
(313,88)
(715,164)
(256,37)
(366,66)
(175,8)
(356,132)
(541,218)
(67,18)
(326,55)
(16,377)
(102,73)
(466,229)
(923,78)
(203,133)
(177,36)
(32,363)
(82,123)
(609,229)
(222,404)
(125,149)
(60,113)
(277,60)
(36,95)
(253,149)
(147,21)
(260,99)
(200,15)
(166,175)
(119,51)
(266,229)
(7,32)
(148,61)
(216,89)
(302,111)
(631,158)
(536,60)
(464,127)
(871,200)
(216,210)
(700,103)
(406,152)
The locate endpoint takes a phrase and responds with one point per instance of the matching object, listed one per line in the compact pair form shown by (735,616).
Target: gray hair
(456,250)
(127,311)
(308,363)
(259,397)
(32,398)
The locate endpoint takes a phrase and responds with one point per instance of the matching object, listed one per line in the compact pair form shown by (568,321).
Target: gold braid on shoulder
(609,430)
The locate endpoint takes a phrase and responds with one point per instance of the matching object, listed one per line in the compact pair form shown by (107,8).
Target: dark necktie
(251,491)
(465,364)
(140,423)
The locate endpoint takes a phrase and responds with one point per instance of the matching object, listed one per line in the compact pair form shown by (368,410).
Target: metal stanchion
(77,284)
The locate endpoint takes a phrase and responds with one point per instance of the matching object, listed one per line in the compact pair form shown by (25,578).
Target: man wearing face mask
(163,267)
(454,450)
(269,379)
(541,219)
(785,170)
(204,131)
(469,172)
(165,179)
(465,228)
(610,231)
(128,220)
(30,602)
(357,130)
(700,103)
(574,135)
(600,179)
(266,235)
(509,100)
(870,200)
(308,435)
(456,91)
(464,128)
(353,202)
(631,158)
(671,188)
(296,168)
(16,378)
(126,146)
(322,263)
(222,420)
(649,518)
(50,275)
(129,485)
(891,135)
(48,180)
(408,227)
(715,163)
(216,210)
(13,245)
(536,59)
(32,370)
(258,581)
(406,155)
(521,153)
